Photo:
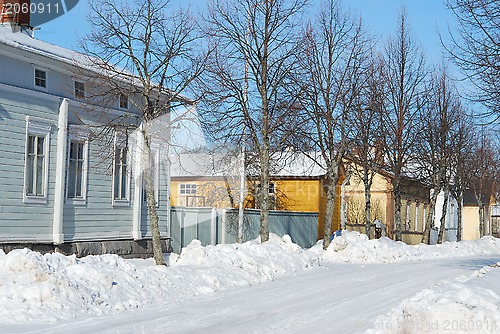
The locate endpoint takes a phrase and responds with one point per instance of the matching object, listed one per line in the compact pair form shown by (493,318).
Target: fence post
(213,227)
(223,227)
(181,228)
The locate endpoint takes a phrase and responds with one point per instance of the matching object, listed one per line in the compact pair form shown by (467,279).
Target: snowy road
(334,298)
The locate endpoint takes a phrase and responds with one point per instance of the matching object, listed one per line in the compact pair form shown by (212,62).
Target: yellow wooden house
(414,208)
(470,216)
(207,180)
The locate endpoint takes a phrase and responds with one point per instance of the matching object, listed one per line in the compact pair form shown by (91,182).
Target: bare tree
(475,48)
(439,118)
(140,52)
(404,74)
(246,101)
(462,143)
(366,133)
(484,164)
(331,78)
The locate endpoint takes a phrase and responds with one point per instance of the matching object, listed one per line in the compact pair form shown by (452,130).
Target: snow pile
(52,287)
(356,248)
(259,261)
(460,306)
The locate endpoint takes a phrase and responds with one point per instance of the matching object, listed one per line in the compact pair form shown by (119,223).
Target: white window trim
(156,177)
(188,183)
(40,68)
(78,134)
(42,127)
(120,137)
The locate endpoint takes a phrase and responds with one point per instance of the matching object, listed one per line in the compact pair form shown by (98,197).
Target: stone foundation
(124,248)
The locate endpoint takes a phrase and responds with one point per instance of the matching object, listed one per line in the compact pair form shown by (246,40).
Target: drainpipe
(62,135)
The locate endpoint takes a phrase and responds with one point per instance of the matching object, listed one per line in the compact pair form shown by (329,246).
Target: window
(271,190)
(40,78)
(76,180)
(417,206)
(120,174)
(452,215)
(408,219)
(36,161)
(123,101)
(79,89)
(424,215)
(187,189)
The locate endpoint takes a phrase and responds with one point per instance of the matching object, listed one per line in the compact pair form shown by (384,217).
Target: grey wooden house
(57,189)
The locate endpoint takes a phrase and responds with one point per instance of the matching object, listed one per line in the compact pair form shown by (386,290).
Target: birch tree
(483,172)
(404,74)
(245,95)
(366,133)
(475,48)
(461,162)
(141,52)
(439,118)
(331,78)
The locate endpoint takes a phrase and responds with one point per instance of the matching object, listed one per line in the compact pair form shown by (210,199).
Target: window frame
(188,185)
(77,135)
(271,189)
(408,214)
(125,99)
(40,128)
(120,143)
(417,214)
(46,79)
(83,90)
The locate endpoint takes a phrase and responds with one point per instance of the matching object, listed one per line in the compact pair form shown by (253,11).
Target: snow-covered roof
(299,164)
(196,164)
(25,42)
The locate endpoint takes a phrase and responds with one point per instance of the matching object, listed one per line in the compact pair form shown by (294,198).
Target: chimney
(15,12)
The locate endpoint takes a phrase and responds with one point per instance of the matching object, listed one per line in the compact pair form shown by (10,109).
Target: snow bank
(356,248)
(464,305)
(259,261)
(52,287)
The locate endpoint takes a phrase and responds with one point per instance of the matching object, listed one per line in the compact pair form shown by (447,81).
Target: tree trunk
(333,177)
(481,219)
(442,221)
(264,197)
(330,208)
(459,216)
(367,203)
(397,208)
(429,223)
(151,202)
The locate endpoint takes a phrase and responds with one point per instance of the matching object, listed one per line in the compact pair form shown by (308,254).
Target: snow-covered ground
(357,285)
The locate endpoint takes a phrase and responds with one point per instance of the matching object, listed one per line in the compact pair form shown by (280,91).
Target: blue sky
(426,18)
